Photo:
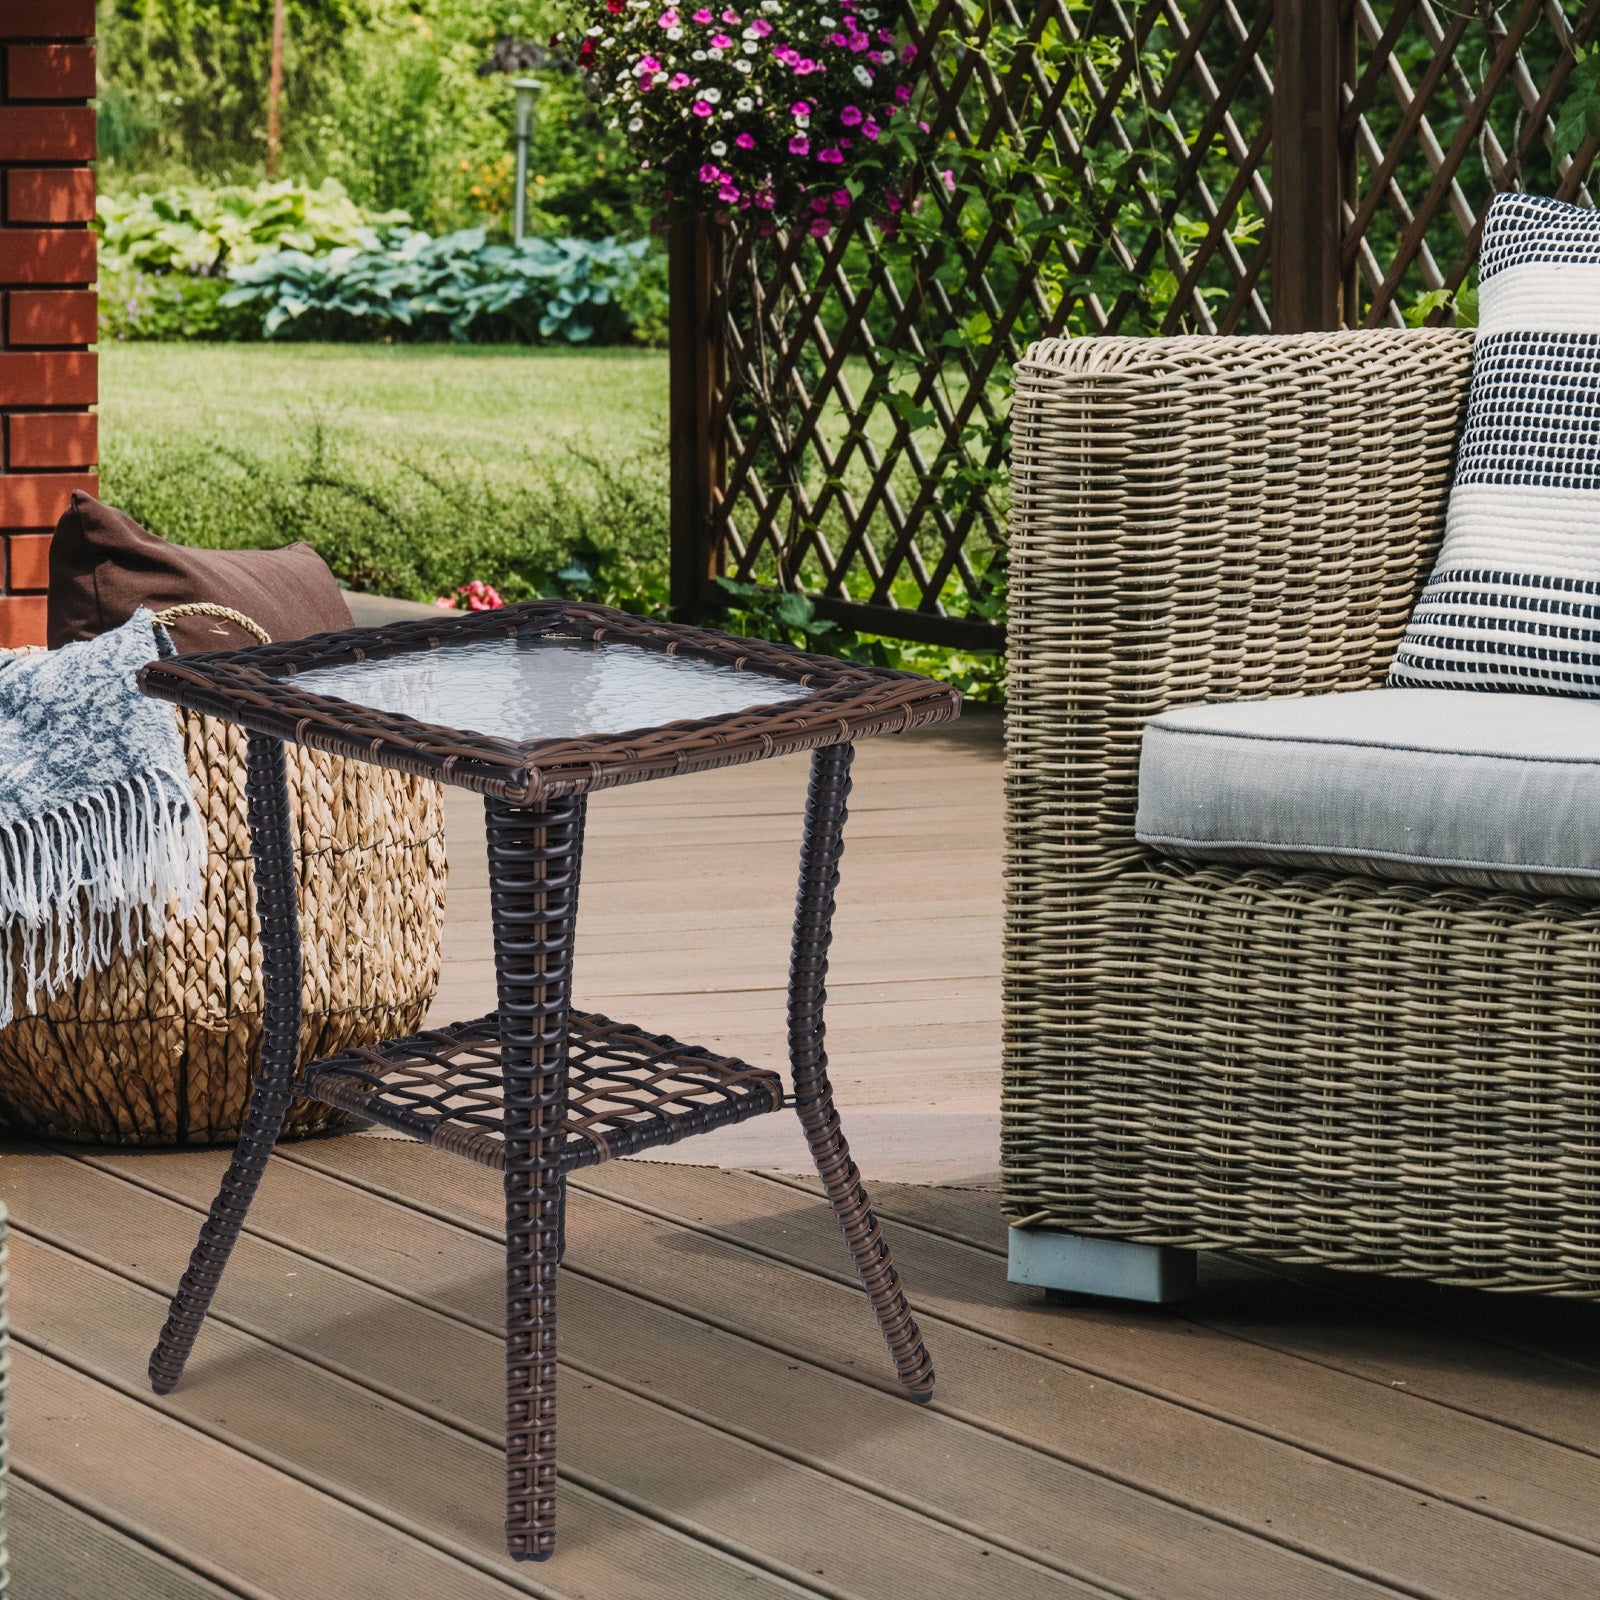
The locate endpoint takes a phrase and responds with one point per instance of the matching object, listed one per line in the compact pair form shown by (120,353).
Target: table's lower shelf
(627,1090)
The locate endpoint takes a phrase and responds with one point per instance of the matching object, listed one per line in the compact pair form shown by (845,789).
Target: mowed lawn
(492,404)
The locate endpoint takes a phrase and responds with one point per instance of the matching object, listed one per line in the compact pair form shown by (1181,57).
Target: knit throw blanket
(99,833)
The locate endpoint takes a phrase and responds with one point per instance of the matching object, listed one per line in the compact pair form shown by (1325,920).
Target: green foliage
(1579,118)
(170,306)
(412,523)
(382,95)
(411,285)
(184,82)
(209,230)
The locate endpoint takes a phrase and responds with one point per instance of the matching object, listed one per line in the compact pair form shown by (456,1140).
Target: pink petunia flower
(783,53)
(720,41)
(949,180)
(902,93)
(820,206)
(799,145)
(859,42)
(891,199)
(908,55)
(701,109)
(646,82)
(703,16)
(765,200)
(834,158)
(668,19)
(679,80)
(761,27)
(836,39)
(731,17)
(871,129)
(746,141)
(820,228)
(801,108)
(841,197)
(850,116)
(648,64)
(710,173)
(728,194)
(804,67)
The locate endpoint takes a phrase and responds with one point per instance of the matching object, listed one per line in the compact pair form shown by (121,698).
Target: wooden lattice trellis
(1215,166)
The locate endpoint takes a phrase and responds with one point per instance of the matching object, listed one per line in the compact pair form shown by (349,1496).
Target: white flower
(674,33)
(827,22)
(771,7)
(713,54)
(750,33)
(635,124)
(593,33)
(699,55)
(606,44)
(612,123)
(802,122)
(750,47)
(744,103)
(727,116)
(741,66)
(863,76)
(711,96)
(719,148)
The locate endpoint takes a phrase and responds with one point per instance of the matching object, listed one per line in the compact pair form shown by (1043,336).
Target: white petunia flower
(674,33)
(593,33)
(863,77)
(750,47)
(711,95)
(802,122)
(699,55)
(827,22)
(741,66)
(635,124)
(744,103)
(713,54)
(719,148)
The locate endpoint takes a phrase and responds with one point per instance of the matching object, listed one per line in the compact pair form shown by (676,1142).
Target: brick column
(48,435)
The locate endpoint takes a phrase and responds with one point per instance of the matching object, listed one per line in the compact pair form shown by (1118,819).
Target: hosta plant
(770,106)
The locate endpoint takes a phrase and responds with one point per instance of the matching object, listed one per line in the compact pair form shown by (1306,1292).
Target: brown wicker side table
(567,699)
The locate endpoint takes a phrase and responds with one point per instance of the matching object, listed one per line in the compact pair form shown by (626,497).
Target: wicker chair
(1391,1076)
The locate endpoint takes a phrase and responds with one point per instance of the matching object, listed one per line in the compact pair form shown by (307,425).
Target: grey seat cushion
(1491,790)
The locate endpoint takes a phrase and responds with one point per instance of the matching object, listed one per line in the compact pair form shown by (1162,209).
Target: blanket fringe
(81,883)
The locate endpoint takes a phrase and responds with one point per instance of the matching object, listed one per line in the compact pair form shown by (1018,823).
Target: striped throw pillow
(1513,602)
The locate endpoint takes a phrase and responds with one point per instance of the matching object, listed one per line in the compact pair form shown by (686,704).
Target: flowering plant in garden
(479,596)
(772,106)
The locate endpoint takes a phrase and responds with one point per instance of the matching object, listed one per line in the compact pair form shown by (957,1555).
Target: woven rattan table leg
(278,913)
(534,859)
(821,846)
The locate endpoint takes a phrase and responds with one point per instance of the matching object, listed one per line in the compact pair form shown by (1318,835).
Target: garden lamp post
(527,92)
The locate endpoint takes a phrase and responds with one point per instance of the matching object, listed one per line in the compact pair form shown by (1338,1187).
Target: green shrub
(170,305)
(413,286)
(195,229)
(412,524)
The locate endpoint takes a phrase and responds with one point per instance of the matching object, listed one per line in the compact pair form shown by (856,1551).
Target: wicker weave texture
(1390,1076)
(160,1046)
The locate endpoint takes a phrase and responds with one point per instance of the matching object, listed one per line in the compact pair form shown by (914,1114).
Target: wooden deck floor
(728,1423)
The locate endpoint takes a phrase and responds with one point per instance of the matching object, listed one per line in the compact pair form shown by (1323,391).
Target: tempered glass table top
(539,687)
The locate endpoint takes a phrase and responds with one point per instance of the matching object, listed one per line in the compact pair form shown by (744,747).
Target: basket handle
(204,608)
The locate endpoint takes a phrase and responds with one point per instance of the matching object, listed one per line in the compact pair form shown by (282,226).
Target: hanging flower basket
(779,107)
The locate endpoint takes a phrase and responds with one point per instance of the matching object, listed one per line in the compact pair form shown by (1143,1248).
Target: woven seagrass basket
(160,1046)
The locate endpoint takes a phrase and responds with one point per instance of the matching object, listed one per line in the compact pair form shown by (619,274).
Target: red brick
(47,255)
(54,316)
(28,561)
(50,72)
(47,378)
(54,439)
(46,133)
(22,620)
(50,194)
(37,499)
(46,19)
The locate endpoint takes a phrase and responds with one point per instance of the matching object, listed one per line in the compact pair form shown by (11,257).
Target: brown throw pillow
(104,566)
